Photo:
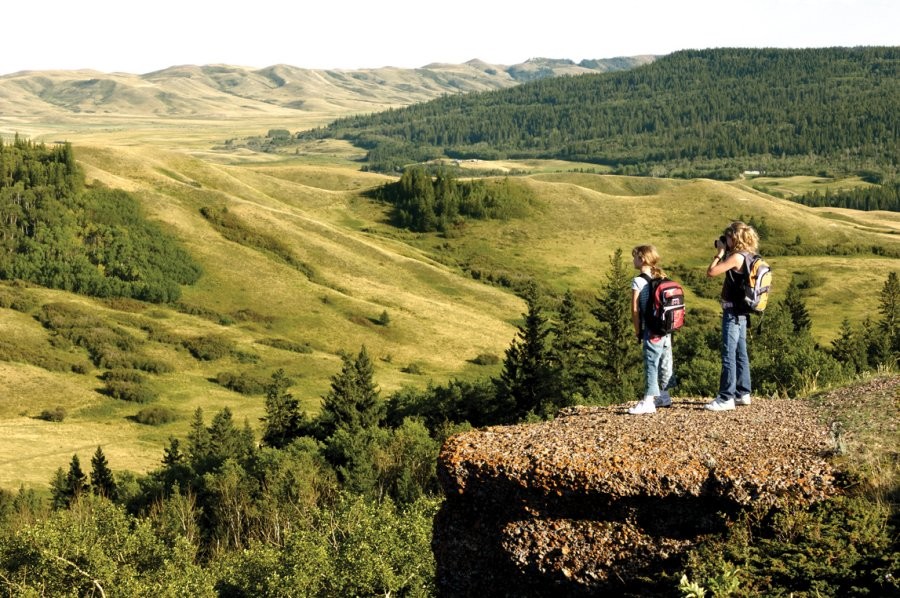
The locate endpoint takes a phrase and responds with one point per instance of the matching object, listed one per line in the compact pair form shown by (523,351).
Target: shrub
(286,345)
(486,359)
(57,414)
(155,416)
(243,383)
(123,375)
(208,348)
(129,391)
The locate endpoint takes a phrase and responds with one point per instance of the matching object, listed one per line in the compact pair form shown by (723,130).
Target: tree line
(693,112)
(57,233)
(875,197)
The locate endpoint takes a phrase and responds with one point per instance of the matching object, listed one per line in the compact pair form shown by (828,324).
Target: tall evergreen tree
(103,482)
(617,354)
(199,442)
(567,351)
(526,381)
(849,349)
(283,418)
(68,486)
(889,308)
(353,403)
(793,300)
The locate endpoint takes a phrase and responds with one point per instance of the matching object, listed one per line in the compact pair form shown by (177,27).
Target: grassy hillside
(355,267)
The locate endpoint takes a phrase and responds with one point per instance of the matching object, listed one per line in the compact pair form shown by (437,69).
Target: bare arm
(636,312)
(720,266)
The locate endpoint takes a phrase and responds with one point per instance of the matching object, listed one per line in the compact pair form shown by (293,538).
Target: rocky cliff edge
(597,497)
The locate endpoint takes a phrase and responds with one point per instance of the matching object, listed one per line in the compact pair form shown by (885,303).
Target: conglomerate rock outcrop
(597,497)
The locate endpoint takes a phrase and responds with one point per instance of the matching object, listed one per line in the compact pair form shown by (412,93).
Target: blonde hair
(745,236)
(650,257)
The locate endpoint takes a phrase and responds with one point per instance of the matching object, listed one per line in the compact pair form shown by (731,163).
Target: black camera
(722,240)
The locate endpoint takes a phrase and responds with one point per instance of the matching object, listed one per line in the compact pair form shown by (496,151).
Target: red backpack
(664,312)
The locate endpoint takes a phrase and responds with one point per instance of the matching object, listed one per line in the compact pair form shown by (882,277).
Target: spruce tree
(889,308)
(102,481)
(526,381)
(849,349)
(353,402)
(567,351)
(616,352)
(198,443)
(67,487)
(793,300)
(283,418)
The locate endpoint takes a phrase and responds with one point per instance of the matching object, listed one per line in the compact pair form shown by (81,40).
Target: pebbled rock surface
(595,498)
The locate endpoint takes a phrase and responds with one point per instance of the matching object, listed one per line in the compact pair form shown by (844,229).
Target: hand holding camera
(720,243)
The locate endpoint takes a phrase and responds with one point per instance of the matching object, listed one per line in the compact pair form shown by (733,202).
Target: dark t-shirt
(732,289)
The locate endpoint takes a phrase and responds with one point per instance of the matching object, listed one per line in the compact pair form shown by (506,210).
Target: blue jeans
(657,364)
(735,378)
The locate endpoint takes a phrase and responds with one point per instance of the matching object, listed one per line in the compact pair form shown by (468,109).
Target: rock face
(595,499)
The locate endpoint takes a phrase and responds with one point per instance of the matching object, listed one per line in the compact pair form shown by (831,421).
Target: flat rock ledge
(585,503)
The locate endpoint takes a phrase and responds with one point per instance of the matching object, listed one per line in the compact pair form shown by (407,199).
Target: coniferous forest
(710,113)
(341,503)
(95,241)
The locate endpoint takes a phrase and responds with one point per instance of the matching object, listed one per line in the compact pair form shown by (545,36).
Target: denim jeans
(657,364)
(735,378)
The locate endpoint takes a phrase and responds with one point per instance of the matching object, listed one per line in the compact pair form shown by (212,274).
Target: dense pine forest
(711,113)
(95,241)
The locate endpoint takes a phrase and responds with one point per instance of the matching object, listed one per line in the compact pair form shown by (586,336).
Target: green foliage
(286,345)
(486,359)
(353,403)
(102,481)
(94,548)
(691,113)
(91,241)
(526,383)
(155,416)
(358,548)
(209,347)
(884,196)
(838,547)
(616,355)
(107,346)
(243,382)
(441,203)
(283,421)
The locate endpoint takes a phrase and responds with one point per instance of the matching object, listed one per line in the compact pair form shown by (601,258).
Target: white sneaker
(663,400)
(742,400)
(644,406)
(720,404)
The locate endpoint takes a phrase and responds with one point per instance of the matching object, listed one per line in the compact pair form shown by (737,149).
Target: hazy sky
(139,37)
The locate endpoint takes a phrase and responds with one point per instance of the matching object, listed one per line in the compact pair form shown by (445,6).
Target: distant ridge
(216,89)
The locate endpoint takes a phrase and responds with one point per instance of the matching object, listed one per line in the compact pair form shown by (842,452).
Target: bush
(208,348)
(286,345)
(243,383)
(129,391)
(57,414)
(486,359)
(155,416)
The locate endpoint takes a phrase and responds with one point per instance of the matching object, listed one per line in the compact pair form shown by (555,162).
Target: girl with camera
(737,242)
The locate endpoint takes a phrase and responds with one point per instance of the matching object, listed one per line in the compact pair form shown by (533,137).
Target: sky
(141,37)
